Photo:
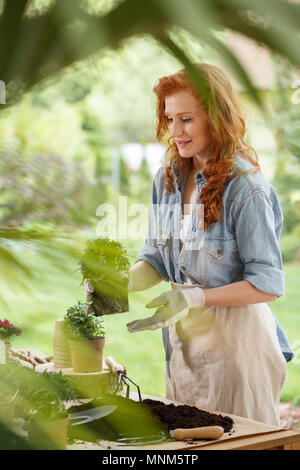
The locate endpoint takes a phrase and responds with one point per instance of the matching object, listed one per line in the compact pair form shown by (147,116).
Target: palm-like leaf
(36,47)
(16,274)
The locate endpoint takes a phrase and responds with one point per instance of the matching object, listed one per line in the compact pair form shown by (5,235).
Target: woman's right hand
(89,290)
(88,287)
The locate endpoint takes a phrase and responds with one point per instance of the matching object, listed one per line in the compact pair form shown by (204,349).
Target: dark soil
(151,417)
(107,305)
(185,416)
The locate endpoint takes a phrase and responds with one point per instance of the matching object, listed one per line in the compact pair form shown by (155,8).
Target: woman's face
(187,124)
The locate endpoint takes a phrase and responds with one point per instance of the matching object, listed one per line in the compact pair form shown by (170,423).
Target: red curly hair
(226,130)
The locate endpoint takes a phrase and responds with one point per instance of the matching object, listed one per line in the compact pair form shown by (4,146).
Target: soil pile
(132,419)
(186,416)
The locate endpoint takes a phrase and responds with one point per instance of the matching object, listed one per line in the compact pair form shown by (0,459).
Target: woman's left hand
(172,306)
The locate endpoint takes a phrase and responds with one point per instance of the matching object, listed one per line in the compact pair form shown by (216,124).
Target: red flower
(7,329)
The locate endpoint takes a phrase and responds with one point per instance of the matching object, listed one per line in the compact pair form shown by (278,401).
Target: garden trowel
(179,434)
(83,417)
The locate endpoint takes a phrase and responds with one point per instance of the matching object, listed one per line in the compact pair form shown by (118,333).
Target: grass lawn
(142,353)
(287,310)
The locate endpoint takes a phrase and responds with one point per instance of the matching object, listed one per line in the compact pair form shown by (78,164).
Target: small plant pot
(61,350)
(87,355)
(46,435)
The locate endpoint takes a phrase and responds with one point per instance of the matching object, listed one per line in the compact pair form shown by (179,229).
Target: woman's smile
(183,143)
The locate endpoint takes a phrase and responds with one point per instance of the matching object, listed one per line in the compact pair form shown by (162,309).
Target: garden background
(64,151)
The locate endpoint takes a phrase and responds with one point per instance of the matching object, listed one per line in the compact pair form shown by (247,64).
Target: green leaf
(37,47)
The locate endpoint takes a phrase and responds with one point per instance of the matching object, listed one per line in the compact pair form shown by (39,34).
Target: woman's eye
(183,119)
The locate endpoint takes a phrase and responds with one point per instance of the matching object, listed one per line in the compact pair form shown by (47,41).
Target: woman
(213,232)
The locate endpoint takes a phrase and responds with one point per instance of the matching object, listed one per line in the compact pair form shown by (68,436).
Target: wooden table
(246,435)
(279,440)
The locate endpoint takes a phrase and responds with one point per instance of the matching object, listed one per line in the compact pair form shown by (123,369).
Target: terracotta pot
(87,355)
(48,434)
(61,351)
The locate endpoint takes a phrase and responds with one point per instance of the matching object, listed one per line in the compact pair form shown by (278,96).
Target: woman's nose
(176,129)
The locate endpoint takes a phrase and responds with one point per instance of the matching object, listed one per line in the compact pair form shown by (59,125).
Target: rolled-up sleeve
(150,252)
(257,236)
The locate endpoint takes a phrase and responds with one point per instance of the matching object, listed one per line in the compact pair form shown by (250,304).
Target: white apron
(228,359)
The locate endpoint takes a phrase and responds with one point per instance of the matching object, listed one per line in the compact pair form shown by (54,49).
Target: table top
(246,434)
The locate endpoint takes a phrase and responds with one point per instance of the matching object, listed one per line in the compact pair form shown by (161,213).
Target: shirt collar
(199,178)
(179,179)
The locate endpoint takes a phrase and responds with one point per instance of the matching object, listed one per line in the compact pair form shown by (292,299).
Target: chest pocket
(219,262)
(220,248)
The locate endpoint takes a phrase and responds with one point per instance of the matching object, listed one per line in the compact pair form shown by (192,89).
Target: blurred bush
(45,188)
(290,247)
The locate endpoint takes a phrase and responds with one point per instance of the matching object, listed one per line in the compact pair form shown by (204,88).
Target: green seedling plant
(105,269)
(80,324)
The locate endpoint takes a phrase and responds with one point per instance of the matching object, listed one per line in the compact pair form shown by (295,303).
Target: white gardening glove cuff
(194,296)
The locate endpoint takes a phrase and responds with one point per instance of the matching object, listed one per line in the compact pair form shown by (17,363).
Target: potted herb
(86,338)
(105,267)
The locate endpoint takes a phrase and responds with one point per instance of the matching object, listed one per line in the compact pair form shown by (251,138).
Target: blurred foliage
(290,247)
(43,188)
(51,245)
(74,139)
(286,182)
(37,395)
(40,39)
(285,111)
(10,440)
(285,124)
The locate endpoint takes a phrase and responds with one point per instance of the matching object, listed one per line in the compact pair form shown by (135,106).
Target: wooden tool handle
(115,366)
(206,432)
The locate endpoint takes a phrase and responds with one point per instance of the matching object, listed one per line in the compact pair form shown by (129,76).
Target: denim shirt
(242,246)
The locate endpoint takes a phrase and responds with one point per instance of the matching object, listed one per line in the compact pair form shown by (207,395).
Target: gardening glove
(89,288)
(172,307)
(89,295)
(142,276)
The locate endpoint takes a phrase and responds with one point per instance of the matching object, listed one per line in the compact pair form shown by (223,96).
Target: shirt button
(220,252)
